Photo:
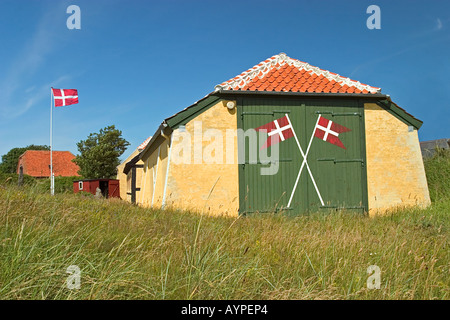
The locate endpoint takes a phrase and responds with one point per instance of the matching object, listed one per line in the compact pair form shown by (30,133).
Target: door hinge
(269,113)
(339,114)
(341,160)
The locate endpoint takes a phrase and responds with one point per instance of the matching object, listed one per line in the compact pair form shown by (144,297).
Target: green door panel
(340,181)
(337,173)
(268,193)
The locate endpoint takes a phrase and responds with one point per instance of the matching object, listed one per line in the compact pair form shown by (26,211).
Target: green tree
(11,159)
(100,152)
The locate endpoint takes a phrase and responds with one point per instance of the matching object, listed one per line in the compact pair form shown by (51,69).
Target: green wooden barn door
(331,176)
(337,162)
(259,192)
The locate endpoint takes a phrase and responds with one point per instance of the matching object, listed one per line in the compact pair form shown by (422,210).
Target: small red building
(108,187)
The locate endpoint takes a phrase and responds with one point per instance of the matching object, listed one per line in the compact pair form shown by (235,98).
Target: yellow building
(285,136)
(129,174)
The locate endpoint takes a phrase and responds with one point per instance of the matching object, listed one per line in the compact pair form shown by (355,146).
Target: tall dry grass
(127,252)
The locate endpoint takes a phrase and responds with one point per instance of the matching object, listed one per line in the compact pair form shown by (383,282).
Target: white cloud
(33,97)
(30,89)
(439,24)
(416,46)
(17,94)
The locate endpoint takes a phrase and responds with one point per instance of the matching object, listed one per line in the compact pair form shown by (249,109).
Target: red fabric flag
(277,130)
(329,131)
(65,97)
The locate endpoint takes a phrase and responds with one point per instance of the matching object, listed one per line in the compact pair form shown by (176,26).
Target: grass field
(127,252)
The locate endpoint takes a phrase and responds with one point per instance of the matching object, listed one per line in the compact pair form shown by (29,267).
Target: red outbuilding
(108,187)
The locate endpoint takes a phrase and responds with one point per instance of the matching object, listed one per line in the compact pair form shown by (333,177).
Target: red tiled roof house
(342,145)
(36,163)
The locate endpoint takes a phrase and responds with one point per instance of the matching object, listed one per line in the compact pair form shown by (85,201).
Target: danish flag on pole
(65,97)
(329,131)
(277,130)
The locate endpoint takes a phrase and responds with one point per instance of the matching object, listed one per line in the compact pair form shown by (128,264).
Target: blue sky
(135,63)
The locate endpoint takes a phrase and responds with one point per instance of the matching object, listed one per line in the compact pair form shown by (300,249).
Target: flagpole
(52,187)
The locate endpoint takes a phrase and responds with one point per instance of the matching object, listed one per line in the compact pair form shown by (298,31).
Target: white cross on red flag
(65,97)
(277,130)
(329,131)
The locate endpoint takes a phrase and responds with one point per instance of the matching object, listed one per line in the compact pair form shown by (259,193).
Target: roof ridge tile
(281,63)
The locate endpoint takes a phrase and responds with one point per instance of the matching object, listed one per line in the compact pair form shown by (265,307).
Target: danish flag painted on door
(277,130)
(329,131)
(312,191)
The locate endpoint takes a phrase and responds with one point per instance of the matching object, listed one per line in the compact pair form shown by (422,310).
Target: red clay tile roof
(144,144)
(37,163)
(284,74)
